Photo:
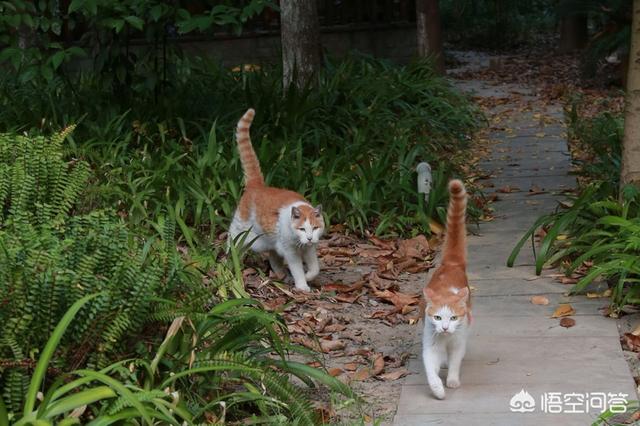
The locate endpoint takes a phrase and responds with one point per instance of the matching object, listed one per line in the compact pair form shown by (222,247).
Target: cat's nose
(445,327)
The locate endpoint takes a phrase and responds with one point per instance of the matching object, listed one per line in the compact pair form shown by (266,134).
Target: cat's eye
(437,317)
(315,227)
(453,318)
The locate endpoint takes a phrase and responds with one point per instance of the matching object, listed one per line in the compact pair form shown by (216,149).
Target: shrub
(351,143)
(50,258)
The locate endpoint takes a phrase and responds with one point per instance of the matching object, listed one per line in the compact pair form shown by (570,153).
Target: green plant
(50,257)
(38,35)
(599,140)
(352,143)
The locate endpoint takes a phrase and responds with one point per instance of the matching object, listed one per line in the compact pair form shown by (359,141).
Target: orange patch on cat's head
(448,287)
(303,213)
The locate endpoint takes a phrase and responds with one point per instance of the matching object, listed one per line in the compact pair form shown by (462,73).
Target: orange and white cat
(447,301)
(278,221)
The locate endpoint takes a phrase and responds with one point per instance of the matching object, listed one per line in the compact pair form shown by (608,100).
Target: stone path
(515,345)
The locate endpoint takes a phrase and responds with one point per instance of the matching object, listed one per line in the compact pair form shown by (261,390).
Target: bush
(50,258)
(218,358)
(351,143)
(598,143)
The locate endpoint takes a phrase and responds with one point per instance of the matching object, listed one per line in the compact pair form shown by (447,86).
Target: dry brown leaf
(338,288)
(378,364)
(567,322)
(563,310)
(636,331)
(508,189)
(362,374)
(331,345)
(334,328)
(351,366)
(399,300)
(435,227)
(334,372)
(631,342)
(417,247)
(394,375)
(539,300)
(384,244)
(606,293)
(568,280)
(347,298)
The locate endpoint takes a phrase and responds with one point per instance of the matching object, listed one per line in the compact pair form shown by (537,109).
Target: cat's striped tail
(250,164)
(455,244)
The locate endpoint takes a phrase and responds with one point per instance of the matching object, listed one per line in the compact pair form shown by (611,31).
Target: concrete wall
(397,43)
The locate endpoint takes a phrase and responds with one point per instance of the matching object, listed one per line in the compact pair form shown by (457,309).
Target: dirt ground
(361,315)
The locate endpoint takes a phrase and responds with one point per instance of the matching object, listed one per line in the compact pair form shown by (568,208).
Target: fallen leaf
(331,345)
(334,372)
(435,227)
(567,322)
(563,310)
(399,300)
(384,244)
(606,293)
(338,288)
(508,189)
(347,298)
(378,364)
(351,366)
(568,280)
(417,247)
(636,331)
(631,342)
(394,375)
(539,300)
(334,328)
(362,374)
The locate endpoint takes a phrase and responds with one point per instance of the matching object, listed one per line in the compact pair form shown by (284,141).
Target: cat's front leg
(297,270)
(311,259)
(432,361)
(456,351)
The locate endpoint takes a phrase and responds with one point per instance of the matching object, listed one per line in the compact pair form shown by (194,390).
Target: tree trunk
(574,32)
(429,32)
(300,35)
(631,142)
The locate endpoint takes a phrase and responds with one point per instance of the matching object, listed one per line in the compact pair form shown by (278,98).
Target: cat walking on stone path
(447,301)
(277,221)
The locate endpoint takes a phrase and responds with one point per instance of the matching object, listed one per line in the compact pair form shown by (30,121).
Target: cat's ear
(428,293)
(318,210)
(463,294)
(295,213)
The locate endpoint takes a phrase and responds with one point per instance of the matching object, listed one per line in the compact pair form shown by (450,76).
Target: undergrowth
(597,231)
(351,143)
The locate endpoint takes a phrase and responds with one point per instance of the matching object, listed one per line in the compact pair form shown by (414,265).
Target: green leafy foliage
(37,35)
(88,284)
(49,258)
(600,142)
(352,142)
(601,225)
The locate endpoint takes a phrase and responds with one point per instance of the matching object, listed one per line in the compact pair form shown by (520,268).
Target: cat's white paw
(453,383)
(303,288)
(438,391)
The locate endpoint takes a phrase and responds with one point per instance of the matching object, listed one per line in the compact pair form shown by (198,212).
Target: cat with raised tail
(277,221)
(447,301)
